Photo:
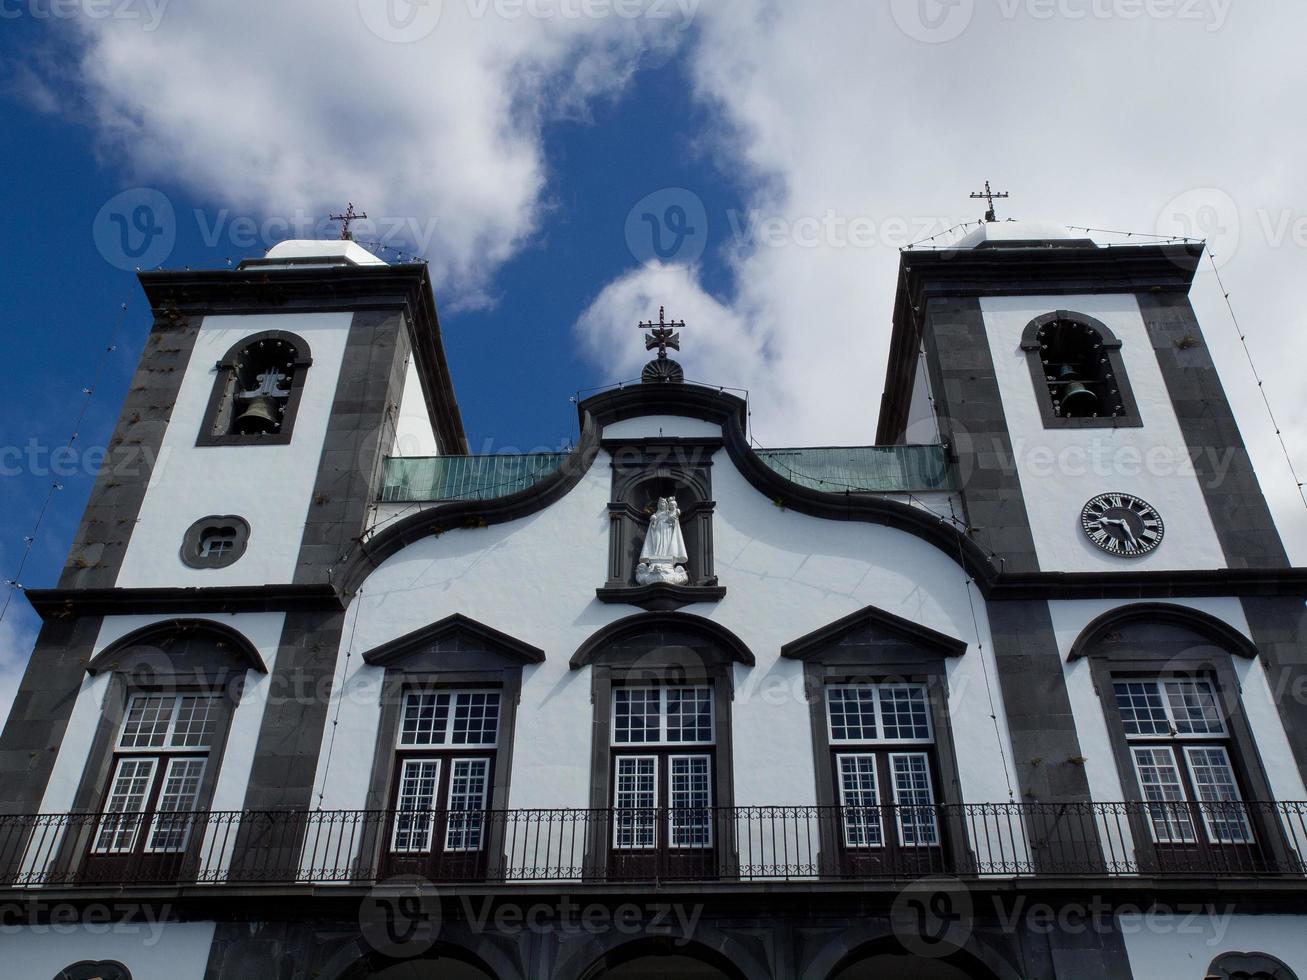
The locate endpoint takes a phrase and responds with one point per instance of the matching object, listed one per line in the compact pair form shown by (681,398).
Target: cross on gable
(345,219)
(990,197)
(662,334)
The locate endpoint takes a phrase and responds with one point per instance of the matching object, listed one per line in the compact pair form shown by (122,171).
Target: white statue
(663,556)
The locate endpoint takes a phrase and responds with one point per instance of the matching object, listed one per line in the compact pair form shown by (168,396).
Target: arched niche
(644,471)
(266,369)
(191,649)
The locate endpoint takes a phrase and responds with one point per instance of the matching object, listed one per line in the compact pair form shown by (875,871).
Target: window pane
(689,714)
(1140,704)
(127,795)
(852,713)
(691,801)
(1221,804)
(468,780)
(635,796)
(417,794)
(181,786)
(146,724)
(426,717)
(915,798)
(194,725)
(635,715)
(1160,782)
(859,801)
(476,718)
(1193,705)
(903,713)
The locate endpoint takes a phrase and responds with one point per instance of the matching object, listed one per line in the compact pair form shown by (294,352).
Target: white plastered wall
(1182,944)
(269,486)
(414,435)
(1061,469)
(786,574)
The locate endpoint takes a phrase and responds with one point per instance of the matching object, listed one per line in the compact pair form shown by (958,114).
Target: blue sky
(519,147)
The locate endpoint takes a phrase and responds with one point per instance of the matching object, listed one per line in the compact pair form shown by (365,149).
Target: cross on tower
(346,218)
(990,197)
(663,334)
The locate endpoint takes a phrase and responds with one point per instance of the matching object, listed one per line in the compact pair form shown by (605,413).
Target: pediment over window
(454,643)
(870,635)
(663,639)
(198,647)
(1158,631)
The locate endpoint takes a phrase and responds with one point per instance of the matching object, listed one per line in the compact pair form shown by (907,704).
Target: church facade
(1017,692)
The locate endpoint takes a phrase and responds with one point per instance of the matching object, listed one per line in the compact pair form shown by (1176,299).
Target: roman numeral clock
(1122,524)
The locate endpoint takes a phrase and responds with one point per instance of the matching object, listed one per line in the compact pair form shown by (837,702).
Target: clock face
(1122,525)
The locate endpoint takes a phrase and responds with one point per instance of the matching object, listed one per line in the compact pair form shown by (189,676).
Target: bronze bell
(1077,400)
(262,417)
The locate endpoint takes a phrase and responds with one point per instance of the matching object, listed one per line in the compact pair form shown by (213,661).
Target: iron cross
(990,197)
(663,334)
(346,218)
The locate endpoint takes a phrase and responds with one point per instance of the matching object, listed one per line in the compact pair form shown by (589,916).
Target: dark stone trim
(360,428)
(394,652)
(1041,726)
(96,556)
(190,550)
(226,369)
(56,604)
(1220,632)
(321,289)
(816,644)
(930,274)
(685,400)
(660,596)
(1279,628)
(594,647)
(1183,583)
(1243,521)
(1030,344)
(117,655)
(42,706)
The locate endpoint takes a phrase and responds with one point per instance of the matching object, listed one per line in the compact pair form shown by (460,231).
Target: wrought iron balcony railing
(736,844)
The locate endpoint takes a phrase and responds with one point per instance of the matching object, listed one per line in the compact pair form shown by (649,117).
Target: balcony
(847,469)
(732,845)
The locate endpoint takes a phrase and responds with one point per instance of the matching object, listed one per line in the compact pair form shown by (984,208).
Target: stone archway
(672,967)
(880,965)
(438,968)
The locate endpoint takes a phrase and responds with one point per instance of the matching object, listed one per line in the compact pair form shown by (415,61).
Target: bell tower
(1085,415)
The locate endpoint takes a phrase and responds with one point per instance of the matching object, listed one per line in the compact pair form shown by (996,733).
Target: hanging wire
(1261,385)
(340,695)
(1136,234)
(15,584)
(947,231)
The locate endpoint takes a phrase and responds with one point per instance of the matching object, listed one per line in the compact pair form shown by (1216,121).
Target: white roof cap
(1000,233)
(302,248)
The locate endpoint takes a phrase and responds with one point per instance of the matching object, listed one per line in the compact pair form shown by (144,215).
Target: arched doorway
(658,959)
(440,968)
(902,966)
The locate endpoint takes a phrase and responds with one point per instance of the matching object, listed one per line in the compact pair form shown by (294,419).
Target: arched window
(95,970)
(1079,377)
(257,392)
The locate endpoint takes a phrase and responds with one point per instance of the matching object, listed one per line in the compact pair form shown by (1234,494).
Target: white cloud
(300,105)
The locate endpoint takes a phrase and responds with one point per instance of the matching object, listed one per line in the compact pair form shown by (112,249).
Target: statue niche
(663,555)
